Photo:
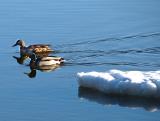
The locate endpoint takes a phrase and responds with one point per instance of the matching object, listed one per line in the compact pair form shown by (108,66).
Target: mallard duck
(44,62)
(37,48)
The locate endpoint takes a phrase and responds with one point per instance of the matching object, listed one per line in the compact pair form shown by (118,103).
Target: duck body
(45,62)
(50,60)
(36,48)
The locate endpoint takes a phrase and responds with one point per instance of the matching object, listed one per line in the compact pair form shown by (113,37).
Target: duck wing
(38,48)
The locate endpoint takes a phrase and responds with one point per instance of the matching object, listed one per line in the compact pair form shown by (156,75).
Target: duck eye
(19,41)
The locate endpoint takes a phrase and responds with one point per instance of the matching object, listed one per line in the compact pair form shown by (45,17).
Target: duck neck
(32,64)
(22,44)
(33,60)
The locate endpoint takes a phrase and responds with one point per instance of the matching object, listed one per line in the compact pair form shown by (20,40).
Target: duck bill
(14,45)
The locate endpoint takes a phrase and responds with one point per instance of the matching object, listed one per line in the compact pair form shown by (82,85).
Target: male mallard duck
(37,48)
(43,62)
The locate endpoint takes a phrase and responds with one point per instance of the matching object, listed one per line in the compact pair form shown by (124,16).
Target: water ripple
(152,50)
(84,54)
(139,64)
(99,40)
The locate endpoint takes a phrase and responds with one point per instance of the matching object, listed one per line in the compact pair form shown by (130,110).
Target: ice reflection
(123,101)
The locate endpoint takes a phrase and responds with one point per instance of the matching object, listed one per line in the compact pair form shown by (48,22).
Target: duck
(45,62)
(37,48)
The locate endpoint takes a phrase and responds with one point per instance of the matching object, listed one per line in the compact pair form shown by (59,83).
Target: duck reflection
(123,101)
(33,72)
(21,59)
(44,64)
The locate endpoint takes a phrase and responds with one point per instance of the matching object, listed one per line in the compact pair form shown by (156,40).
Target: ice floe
(134,83)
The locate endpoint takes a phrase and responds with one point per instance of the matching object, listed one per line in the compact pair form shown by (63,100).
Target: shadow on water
(123,101)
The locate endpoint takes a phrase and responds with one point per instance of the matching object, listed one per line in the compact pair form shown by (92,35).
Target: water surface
(92,36)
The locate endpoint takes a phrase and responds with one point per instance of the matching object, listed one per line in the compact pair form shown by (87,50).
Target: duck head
(21,43)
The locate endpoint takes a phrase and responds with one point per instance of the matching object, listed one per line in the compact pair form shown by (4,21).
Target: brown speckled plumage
(36,48)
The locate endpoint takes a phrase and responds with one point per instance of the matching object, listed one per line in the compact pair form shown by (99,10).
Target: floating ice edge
(133,83)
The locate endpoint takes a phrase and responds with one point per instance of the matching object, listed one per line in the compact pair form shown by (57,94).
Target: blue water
(90,35)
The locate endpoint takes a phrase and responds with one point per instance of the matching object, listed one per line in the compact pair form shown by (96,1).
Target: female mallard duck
(42,62)
(37,48)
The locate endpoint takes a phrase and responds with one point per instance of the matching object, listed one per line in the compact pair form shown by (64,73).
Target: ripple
(89,52)
(93,63)
(100,40)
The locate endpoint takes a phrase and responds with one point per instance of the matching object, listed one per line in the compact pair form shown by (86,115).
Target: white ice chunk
(136,83)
